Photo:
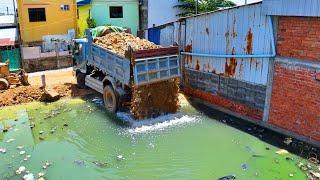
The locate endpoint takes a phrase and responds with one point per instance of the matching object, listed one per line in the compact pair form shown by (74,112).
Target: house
(46,29)
(155,12)
(123,13)
(83,13)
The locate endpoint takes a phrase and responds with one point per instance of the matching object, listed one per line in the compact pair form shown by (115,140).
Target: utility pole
(245,2)
(7,10)
(197,3)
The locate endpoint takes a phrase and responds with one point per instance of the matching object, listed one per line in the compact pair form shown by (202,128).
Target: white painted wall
(161,12)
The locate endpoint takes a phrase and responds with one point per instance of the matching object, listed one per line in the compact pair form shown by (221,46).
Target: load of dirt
(120,42)
(155,99)
(19,95)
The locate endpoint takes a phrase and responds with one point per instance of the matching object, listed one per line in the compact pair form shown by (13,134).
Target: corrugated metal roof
(291,8)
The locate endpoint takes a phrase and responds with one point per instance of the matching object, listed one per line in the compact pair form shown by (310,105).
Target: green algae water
(78,139)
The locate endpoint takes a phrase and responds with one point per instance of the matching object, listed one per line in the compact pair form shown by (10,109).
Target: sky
(5,3)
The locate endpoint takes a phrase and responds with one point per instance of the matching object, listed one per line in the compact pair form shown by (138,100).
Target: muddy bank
(27,94)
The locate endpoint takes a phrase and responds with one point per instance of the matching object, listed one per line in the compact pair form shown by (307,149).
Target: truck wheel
(111,99)
(4,84)
(81,80)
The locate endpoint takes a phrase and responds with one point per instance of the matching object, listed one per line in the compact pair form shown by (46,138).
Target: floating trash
(19,147)
(46,165)
(290,175)
(100,164)
(288,141)
(41,175)
(10,140)
(27,157)
(22,152)
(79,162)
(41,132)
(65,125)
(282,152)
(20,170)
(3,150)
(315,174)
(244,166)
(120,157)
(28,176)
(229,177)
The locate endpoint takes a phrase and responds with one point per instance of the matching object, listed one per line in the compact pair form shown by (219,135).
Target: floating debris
(244,166)
(28,176)
(65,125)
(100,164)
(3,150)
(229,177)
(314,160)
(20,170)
(120,157)
(315,174)
(41,138)
(46,165)
(288,141)
(41,175)
(10,140)
(282,152)
(289,159)
(41,132)
(53,130)
(290,175)
(19,147)
(27,157)
(79,162)
(32,125)
(22,152)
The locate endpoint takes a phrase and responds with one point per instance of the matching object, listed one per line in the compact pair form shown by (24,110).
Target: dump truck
(114,76)
(7,79)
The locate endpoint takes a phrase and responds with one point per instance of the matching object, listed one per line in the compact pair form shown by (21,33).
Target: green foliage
(188,7)
(91,23)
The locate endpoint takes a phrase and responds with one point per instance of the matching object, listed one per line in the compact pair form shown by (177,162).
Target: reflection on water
(77,139)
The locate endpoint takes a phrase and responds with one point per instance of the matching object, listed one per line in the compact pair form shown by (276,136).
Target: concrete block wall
(241,97)
(295,99)
(49,63)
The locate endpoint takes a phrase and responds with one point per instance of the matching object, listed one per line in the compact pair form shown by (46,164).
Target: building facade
(42,18)
(83,13)
(123,13)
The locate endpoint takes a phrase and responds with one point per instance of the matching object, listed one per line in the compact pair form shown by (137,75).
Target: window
(64,7)
(37,14)
(116,12)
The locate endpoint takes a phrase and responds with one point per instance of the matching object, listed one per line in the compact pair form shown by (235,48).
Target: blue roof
(83,2)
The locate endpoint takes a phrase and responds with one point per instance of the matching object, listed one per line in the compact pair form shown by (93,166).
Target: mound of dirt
(155,99)
(19,95)
(120,42)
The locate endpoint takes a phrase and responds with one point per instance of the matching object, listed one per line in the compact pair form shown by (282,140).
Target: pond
(78,139)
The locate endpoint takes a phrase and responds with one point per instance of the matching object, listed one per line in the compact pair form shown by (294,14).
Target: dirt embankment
(61,81)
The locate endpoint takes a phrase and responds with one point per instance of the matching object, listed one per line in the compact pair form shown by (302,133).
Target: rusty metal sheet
(243,30)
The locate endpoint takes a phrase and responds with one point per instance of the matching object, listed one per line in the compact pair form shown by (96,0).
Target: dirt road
(62,81)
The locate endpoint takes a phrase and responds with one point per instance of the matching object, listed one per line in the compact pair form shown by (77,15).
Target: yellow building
(39,18)
(83,13)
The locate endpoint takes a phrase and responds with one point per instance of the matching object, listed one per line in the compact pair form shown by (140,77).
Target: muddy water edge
(78,139)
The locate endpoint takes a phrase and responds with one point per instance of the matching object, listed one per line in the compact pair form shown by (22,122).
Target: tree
(188,7)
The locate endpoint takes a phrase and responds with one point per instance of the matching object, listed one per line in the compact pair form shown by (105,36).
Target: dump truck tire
(4,84)
(110,98)
(81,80)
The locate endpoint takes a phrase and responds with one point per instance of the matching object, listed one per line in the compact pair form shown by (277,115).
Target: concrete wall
(48,63)
(82,19)
(100,12)
(161,12)
(295,101)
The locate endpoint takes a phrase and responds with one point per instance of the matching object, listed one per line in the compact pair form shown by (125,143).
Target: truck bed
(149,66)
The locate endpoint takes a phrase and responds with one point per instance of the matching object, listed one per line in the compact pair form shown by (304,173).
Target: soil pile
(120,42)
(19,95)
(155,99)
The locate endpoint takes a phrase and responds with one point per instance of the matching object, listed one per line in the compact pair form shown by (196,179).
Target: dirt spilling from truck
(120,42)
(155,99)
(150,100)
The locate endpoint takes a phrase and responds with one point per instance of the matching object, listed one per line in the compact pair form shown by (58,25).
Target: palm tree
(188,7)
